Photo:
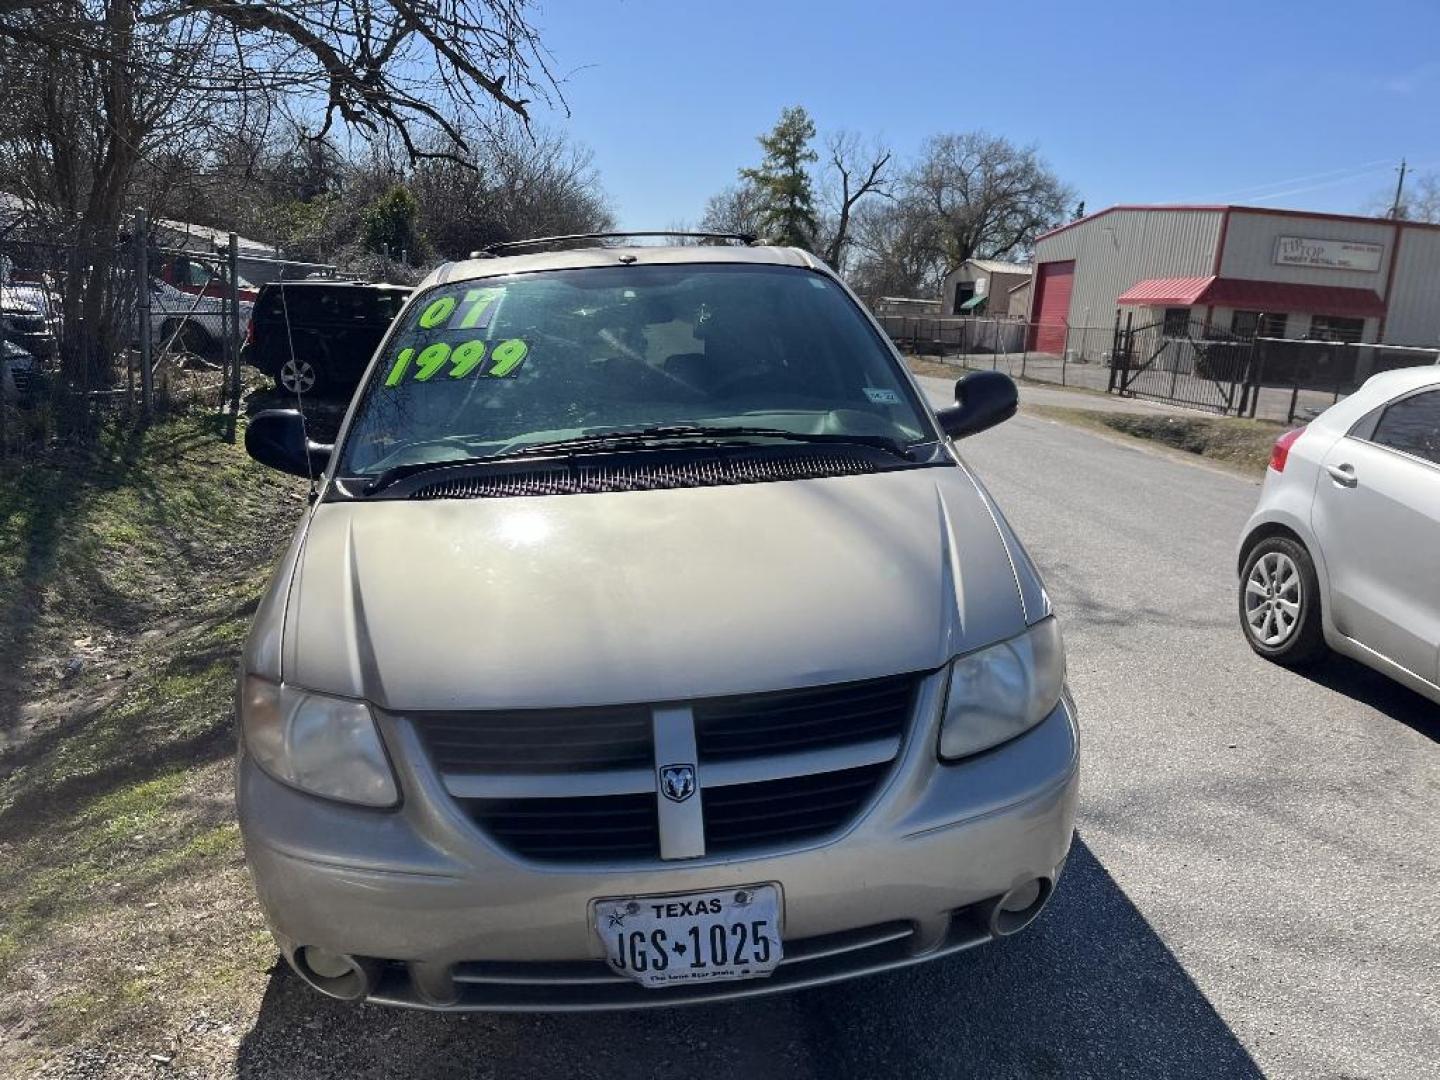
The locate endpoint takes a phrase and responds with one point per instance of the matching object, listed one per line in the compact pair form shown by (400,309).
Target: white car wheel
(1280,602)
(1272,598)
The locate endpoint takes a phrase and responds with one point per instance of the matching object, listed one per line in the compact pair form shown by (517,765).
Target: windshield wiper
(393,475)
(631,438)
(624,438)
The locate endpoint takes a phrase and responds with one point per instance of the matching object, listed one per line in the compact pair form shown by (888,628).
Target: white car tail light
(1280,452)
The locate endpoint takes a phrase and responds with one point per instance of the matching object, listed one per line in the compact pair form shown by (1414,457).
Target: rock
(73,667)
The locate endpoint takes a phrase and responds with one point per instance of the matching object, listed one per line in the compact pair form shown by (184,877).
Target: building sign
(980,284)
(1328,254)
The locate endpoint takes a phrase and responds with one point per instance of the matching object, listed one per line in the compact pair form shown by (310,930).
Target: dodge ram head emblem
(677,782)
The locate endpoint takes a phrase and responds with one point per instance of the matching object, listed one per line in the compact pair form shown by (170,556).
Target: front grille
(654,471)
(578,784)
(797,808)
(571,740)
(589,827)
(794,721)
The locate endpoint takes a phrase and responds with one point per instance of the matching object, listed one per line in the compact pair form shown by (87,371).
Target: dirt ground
(129,936)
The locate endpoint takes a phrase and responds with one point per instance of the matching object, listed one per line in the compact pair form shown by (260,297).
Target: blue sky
(1306,105)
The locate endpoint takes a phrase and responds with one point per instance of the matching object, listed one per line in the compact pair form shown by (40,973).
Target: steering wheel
(631,359)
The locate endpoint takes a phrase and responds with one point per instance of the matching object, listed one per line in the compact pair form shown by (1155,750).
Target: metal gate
(1184,362)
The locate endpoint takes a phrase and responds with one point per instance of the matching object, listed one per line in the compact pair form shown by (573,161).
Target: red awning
(1249,295)
(1278,296)
(1166,292)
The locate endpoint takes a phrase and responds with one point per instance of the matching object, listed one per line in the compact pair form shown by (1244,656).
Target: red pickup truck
(202,278)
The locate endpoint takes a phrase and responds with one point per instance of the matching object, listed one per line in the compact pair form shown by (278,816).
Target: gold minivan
(647,641)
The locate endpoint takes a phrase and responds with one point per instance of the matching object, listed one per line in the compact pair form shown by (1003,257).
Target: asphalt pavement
(1252,891)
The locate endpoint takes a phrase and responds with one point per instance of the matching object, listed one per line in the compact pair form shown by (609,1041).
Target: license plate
(692,937)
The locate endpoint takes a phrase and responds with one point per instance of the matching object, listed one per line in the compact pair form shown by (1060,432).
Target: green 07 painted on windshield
(475,313)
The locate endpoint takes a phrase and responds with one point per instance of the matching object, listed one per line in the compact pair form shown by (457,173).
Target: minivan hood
(566,600)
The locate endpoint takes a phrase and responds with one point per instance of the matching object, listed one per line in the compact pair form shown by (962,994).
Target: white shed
(982,287)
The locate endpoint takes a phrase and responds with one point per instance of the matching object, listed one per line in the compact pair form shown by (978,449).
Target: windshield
(487,367)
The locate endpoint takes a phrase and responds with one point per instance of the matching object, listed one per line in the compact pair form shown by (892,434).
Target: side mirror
(276,437)
(982,400)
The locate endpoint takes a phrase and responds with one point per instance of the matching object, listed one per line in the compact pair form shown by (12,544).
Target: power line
(1328,184)
(1256,191)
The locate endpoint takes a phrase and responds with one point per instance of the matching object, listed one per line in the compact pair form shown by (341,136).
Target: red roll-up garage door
(1052,306)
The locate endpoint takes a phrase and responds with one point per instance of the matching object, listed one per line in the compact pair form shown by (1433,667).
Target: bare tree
(738,209)
(105,80)
(514,184)
(1420,203)
(854,170)
(987,196)
(898,250)
(245,172)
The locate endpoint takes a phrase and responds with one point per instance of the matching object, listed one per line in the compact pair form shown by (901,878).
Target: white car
(193,323)
(1344,548)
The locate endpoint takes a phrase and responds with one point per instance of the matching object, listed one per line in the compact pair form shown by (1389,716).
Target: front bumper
(452,921)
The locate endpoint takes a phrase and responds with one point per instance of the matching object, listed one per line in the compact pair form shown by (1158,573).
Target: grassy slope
(1240,445)
(124,905)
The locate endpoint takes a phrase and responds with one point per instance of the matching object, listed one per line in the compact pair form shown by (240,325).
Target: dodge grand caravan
(647,641)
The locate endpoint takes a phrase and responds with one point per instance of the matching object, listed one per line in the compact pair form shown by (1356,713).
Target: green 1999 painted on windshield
(464,359)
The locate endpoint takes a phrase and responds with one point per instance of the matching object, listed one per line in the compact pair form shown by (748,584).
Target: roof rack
(493,250)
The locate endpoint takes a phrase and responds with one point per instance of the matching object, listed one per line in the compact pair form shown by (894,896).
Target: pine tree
(783,182)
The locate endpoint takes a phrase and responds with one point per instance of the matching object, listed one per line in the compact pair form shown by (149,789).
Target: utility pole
(1399,189)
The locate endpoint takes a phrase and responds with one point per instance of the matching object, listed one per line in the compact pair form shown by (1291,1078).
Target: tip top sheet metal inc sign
(1328,254)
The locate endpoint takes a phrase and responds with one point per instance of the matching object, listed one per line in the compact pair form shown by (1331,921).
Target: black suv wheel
(299,376)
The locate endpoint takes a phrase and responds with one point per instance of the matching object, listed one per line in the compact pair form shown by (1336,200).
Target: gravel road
(1253,888)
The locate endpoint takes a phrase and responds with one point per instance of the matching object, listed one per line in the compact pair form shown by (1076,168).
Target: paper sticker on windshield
(879,396)
(440,361)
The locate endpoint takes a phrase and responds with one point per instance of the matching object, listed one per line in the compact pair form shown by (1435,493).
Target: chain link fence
(1008,345)
(133,326)
(1299,379)
(1193,366)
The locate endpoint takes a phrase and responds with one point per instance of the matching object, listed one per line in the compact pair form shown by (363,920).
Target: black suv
(334,328)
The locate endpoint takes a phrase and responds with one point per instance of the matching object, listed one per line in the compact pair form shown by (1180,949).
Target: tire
(300,376)
(1279,602)
(192,337)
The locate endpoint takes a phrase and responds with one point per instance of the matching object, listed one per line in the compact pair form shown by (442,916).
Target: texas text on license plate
(686,937)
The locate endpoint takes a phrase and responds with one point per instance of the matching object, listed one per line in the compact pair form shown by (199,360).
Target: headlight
(325,745)
(1002,691)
